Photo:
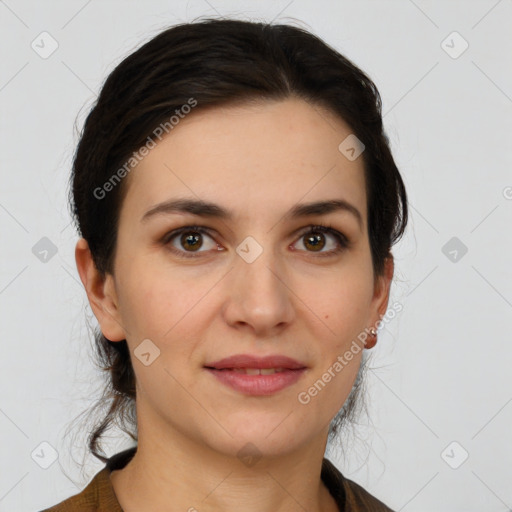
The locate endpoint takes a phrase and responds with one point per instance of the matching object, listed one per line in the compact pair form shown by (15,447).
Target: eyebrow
(212,210)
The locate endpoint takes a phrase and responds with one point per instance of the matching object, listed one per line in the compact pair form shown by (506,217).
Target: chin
(264,435)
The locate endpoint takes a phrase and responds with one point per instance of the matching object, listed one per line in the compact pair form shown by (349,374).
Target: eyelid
(326,228)
(189,227)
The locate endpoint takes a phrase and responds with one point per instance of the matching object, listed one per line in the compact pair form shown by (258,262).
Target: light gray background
(442,365)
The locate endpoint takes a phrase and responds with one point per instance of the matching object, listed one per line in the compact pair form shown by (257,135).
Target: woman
(237,202)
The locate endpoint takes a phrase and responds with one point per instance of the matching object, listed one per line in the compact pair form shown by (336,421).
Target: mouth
(252,371)
(257,376)
(248,361)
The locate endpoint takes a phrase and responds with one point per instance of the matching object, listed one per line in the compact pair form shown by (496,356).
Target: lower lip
(258,385)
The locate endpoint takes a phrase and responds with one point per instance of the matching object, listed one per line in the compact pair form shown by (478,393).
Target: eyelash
(317,228)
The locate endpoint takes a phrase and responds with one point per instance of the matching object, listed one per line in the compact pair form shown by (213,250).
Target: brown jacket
(99,496)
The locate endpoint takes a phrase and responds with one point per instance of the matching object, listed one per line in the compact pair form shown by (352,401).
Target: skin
(258,160)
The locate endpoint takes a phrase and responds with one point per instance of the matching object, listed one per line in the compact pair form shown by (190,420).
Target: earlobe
(101,292)
(385,285)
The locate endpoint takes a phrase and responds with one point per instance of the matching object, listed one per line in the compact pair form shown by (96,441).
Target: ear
(101,293)
(380,299)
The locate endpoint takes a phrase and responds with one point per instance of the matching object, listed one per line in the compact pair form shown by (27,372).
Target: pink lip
(257,385)
(250,361)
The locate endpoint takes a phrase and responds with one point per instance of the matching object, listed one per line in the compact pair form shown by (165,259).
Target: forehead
(257,157)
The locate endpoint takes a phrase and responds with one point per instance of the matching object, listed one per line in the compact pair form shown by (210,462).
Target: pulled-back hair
(218,62)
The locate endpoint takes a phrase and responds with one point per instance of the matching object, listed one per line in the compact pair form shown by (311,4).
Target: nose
(259,298)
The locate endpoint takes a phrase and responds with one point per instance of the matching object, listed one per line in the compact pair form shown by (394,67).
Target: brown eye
(314,240)
(190,241)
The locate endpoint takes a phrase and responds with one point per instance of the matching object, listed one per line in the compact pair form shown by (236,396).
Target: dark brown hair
(218,62)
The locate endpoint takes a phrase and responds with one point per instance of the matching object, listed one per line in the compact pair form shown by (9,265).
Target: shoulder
(349,495)
(97,496)
(360,499)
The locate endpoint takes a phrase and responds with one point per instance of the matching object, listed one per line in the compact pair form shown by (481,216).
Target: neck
(172,473)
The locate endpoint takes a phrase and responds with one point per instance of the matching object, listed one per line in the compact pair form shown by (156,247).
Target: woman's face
(259,282)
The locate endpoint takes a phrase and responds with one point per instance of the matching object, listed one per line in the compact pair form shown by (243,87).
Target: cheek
(341,299)
(143,299)
(158,303)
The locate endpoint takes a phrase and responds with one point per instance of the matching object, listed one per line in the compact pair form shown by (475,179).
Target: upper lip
(250,361)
